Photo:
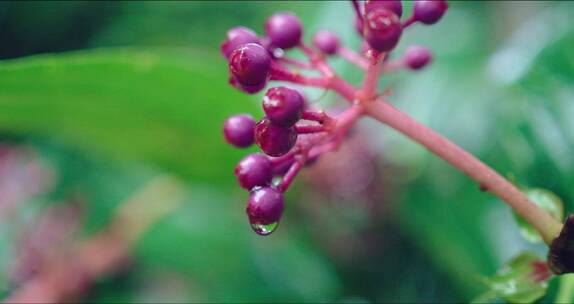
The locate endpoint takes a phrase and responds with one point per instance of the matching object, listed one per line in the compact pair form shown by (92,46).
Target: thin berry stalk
(393,65)
(318,116)
(289,176)
(487,178)
(353,57)
(282,74)
(317,61)
(309,129)
(409,22)
(357,9)
(296,63)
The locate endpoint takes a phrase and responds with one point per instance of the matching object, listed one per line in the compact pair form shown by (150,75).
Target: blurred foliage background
(97,99)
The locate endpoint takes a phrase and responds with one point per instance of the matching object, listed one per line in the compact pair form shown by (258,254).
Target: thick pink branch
(487,178)
(344,88)
(372,74)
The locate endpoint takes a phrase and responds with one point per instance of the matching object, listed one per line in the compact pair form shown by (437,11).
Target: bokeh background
(110,139)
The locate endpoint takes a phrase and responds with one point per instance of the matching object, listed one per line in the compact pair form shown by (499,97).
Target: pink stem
(409,22)
(487,178)
(353,57)
(318,116)
(282,74)
(308,129)
(289,176)
(345,121)
(357,10)
(317,60)
(369,89)
(288,156)
(392,66)
(344,88)
(296,63)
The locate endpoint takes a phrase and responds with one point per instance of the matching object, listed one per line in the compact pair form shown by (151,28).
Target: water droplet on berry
(264,229)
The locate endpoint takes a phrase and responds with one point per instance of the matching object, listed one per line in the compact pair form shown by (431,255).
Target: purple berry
(326,42)
(250,64)
(382,29)
(429,11)
(284,30)
(283,106)
(246,88)
(236,37)
(265,206)
(239,130)
(417,57)
(254,170)
(393,5)
(274,140)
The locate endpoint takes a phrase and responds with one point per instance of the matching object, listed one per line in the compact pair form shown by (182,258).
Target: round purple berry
(254,170)
(239,130)
(429,11)
(383,29)
(284,30)
(236,37)
(265,206)
(417,57)
(326,42)
(250,64)
(274,140)
(393,5)
(283,106)
(247,88)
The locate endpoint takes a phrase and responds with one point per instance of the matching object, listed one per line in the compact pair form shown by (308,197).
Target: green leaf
(547,201)
(566,290)
(210,242)
(523,280)
(164,107)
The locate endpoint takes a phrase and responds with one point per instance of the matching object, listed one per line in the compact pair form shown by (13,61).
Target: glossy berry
(265,206)
(283,106)
(239,130)
(429,11)
(236,37)
(284,30)
(274,140)
(417,57)
(250,64)
(254,170)
(393,5)
(326,42)
(383,29)
(247,88)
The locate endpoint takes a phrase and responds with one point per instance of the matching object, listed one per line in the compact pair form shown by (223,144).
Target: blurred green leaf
(523,280)
(546,200)
(165,107)
(566,290)
(212,244)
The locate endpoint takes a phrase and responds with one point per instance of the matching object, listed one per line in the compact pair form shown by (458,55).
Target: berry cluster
(292,134)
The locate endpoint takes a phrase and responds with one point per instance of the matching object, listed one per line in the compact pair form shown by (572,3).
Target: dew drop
(264,229)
